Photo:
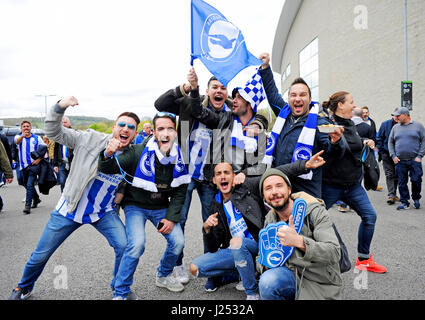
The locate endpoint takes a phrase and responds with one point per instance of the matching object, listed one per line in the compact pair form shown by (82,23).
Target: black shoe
(391,200)
(20,294)
(35,203)
(27,209)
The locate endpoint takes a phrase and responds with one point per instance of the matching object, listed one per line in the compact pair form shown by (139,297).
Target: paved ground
(86,259)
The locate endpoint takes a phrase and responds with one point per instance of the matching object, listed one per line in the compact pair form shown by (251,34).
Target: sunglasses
(129,125)
(165,114)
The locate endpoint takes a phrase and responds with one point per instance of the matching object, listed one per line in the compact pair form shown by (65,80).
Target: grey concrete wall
(369,62)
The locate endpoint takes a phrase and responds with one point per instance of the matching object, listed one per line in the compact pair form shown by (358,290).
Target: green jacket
(166,197)
(4,162)
(316,270)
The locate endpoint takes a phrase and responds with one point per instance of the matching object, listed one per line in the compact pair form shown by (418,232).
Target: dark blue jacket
(383,135)
(289,135)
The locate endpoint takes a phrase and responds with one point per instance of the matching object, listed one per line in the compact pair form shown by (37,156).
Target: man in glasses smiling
(157,188)
(88,195)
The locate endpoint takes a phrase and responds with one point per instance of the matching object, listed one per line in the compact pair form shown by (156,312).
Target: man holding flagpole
(233,142)
(220,46)
(295,134)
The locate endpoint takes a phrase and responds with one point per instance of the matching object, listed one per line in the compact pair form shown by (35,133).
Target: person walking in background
(28,143)
(406,146)
(5,169)
(364,130)
(145,132)
(367,119)
(62,157)
(387,162)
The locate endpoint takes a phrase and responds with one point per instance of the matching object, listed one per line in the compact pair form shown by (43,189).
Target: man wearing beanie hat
(312,271)
(406,145)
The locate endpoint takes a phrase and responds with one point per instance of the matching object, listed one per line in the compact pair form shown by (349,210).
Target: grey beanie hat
(273,172)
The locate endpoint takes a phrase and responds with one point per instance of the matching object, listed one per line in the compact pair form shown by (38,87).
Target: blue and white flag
(272,253)
(218,43)
(304,147)
(144,177)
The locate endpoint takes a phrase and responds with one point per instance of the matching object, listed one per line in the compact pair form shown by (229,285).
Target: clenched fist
(68,102)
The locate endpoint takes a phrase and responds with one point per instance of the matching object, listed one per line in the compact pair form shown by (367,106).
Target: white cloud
(113,55)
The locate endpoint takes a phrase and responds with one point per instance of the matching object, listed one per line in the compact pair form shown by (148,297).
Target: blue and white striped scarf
(199,143)
(239,138)
(235,220)
(304,147)
(144,177)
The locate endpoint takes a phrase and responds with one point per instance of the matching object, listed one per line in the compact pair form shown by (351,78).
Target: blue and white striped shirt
(96,200)
(25,148)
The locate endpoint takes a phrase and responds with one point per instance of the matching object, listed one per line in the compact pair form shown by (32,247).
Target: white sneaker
(240,286)
(170,283)
(253,297)
(181,274)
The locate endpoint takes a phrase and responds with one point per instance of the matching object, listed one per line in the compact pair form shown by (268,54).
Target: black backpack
(344,261)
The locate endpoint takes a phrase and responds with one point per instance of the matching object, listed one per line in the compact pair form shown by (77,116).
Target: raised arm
(53,124)
(275,100)
(204,115)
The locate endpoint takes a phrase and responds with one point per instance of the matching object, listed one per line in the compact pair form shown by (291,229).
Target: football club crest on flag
(272,253)
(218,43)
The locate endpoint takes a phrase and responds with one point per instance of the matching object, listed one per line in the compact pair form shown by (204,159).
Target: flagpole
(191,33)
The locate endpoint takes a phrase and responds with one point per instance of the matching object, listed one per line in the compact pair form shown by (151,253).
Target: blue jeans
(206,194)
(404,169)
(29,177)
(62,175)
(135,221)
(57,229)
(356,197)
(277,284)
(230,261)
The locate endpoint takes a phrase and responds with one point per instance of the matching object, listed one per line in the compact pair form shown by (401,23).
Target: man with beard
(312,270)
(406,145)
(88,194)
(157,191)
(294,131)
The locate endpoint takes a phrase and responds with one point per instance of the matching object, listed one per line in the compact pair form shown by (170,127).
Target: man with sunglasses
(195,138)
(87,197)
(157,188)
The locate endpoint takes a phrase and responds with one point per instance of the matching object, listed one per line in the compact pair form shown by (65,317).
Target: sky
(112,55)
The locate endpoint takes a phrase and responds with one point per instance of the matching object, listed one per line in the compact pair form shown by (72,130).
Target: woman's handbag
(370,169)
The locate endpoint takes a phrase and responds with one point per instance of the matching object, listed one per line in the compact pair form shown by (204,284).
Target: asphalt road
(81,268)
